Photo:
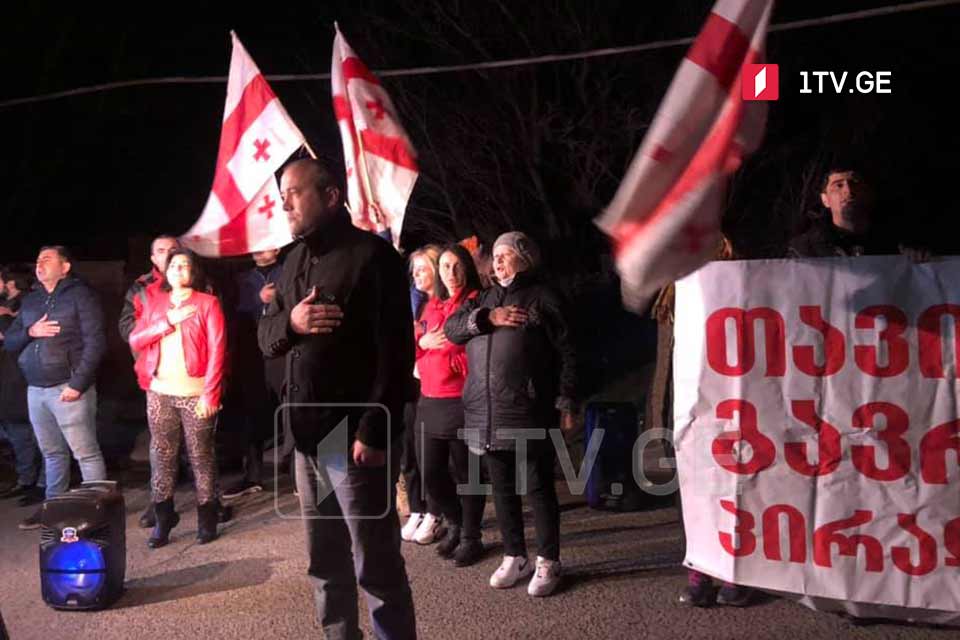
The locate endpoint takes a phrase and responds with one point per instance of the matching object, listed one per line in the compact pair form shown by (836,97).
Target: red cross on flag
(665,218)
(243,213)
(380,162)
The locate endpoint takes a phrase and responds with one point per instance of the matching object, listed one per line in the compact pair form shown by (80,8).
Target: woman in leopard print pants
(181,347)
(166,414)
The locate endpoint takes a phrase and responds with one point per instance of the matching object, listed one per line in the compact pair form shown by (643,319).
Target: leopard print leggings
(166,415)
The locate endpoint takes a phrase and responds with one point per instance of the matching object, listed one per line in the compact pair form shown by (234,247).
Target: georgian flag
(665,218)
(380,162)
(244,212)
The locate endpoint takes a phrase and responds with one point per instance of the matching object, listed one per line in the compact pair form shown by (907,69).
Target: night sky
(93,171)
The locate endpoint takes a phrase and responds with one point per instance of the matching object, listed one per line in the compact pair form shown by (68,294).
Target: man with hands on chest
(341,319)
(59,341)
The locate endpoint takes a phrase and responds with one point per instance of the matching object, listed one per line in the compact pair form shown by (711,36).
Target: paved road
(622,578)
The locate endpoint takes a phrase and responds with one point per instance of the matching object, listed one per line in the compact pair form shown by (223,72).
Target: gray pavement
(622,579)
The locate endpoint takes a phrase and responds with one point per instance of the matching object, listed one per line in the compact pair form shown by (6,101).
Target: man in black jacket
(341,318)
(851,227)
(60,342)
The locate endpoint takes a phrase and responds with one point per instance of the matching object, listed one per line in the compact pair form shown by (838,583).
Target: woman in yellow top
(181,344)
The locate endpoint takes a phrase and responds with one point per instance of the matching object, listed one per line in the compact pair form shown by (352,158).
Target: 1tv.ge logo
(760,82)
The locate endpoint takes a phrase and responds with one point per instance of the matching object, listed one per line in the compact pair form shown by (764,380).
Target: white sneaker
(546,578)
(510,571)
(410,528)
(430,530)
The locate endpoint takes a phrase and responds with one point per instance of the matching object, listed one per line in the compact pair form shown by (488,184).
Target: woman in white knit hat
(521,370)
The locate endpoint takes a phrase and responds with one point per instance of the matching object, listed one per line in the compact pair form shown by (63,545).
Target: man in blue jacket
(59,342)
(258,379)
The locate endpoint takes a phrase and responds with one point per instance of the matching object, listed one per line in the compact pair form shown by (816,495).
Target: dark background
(540,148)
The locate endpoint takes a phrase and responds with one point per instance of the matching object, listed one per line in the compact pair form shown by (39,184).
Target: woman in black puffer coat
(521,371)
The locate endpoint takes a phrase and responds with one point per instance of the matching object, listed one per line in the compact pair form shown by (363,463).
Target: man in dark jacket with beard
(60,342)
(341,318)
(851,227)
(521,370)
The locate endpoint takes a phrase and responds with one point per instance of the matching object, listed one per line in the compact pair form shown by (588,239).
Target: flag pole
(362,169)
(306,145)
(365,180)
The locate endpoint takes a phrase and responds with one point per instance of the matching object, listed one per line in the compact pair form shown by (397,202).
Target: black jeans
(465,510)
(416,494)
(537,469)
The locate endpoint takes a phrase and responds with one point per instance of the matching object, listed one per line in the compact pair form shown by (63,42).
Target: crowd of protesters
(469,352)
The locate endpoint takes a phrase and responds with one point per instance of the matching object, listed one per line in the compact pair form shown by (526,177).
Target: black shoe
(207,516)
(167,519)
(32,495)
(732,595)
(700,595)
(148,518)
(468,552)
(32,522)
(241,489)
(15,491)
(224,513)
(450,542)
(862,622)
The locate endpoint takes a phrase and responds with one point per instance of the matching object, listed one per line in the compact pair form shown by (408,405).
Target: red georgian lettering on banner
(773,331)
(817,404)
(834,345)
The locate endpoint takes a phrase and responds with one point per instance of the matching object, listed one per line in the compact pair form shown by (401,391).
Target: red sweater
(443,372)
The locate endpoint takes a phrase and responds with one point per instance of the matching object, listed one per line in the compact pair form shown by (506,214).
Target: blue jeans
(29,462)
(353,537)
(62,428)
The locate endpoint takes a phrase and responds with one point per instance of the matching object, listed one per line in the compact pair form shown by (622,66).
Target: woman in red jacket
(443,371)
(181,345)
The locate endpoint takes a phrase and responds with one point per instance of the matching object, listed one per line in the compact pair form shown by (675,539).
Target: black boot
(207,516)
(148,518)
(449,543)
(469,552)
(224,513)
(167,519)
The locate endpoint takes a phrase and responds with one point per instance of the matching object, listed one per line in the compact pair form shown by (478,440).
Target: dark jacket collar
(521,280)
(64,284)
(329,234)
(151,276)
(870,242)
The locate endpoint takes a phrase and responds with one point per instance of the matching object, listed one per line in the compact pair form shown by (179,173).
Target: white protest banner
(816,427)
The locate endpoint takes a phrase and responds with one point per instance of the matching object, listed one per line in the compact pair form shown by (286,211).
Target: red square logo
(760,82)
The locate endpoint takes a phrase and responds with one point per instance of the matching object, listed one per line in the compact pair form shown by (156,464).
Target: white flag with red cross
(380,162)
(244,213)
(665,217)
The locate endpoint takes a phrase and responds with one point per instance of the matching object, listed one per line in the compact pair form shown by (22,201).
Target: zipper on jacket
(489,398)
(47,306)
